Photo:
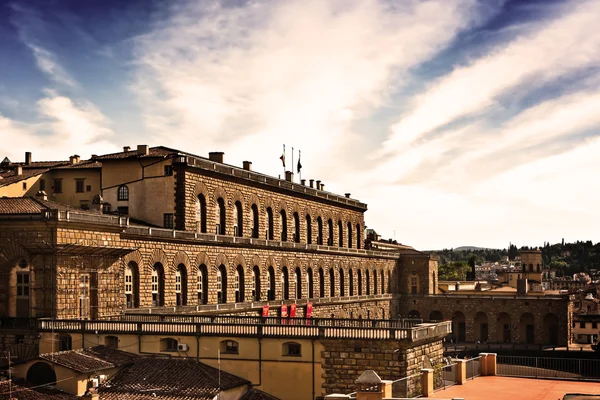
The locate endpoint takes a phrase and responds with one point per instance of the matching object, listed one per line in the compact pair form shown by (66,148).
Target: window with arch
(111,342)
(230,347)
(270,229)
(342,286)
(321,283)
(238,219)
(349,228)
(202,284)
(221,220)
(358,237)
(254,210)
(368,282)
(331,283)
(308,229)
(239,284)
(351,282)
(375,281)
(181,285)
(283,225)
(340,234)
(23,290)
(319,230)
(123,193)
(132,284)
(221,284)
(360,283)
(298,279)
(168,344)
(381,274)
(201,214)
(285,283)
(296,228)
(271,291)
(256,283)
(330,232)
(309,282)
(157,285)
(292,349)
(389,285)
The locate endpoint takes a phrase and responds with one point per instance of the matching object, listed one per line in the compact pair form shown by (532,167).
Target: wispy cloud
(49,65)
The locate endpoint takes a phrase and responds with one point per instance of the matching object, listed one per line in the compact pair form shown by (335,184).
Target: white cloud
(47,63)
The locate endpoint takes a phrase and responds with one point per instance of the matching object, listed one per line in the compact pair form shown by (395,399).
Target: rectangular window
(79,185)
(42,184)
(88,188)
(168,170)
(582,325)
(413,285)
(168,221)
(24,185)
(84,295)
(23,284)
(594,325)
(123,210)
(58,185)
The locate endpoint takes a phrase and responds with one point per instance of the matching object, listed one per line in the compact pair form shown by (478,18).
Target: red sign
(308,310)
(293,311)
(284,311)
(265,311)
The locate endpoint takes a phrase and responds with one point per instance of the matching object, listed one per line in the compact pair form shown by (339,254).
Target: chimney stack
(248,165)
(42,195)
(322,186)
(303,182)
(18,170)
(311,183)
(27,158)
(74,159)
(143,150)
(126,149)
(347,195)
(318,185)
(216,156)
(289,176)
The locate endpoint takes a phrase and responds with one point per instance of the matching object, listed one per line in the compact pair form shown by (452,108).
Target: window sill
(292,355)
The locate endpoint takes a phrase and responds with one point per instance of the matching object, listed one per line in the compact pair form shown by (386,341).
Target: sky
(459,122)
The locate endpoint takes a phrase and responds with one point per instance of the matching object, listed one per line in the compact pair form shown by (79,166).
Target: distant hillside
(469,248)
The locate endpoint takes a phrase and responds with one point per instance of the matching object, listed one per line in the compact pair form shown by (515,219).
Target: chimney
(216,156)
(126,149)
(322,186)
(312,183)
(42,195)
(248,165)
(318,185)
(289,176)
(74,159)
(94,156)
(18,170)
(303,182)
(27,158)
(143,150)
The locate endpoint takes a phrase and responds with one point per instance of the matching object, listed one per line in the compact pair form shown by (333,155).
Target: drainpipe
(313,368)
(259,364)
(198,348)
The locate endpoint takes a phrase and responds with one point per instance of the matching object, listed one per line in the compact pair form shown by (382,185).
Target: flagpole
(300,170)
(292,165)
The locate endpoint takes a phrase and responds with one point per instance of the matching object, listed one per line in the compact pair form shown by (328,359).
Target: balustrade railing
(549,367)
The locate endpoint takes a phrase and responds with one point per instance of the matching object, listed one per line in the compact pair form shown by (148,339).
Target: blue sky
(460,122)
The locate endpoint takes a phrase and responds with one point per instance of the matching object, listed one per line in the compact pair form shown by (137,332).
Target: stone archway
(459,327)
(527,328)
(550,335)
(503,328)
(41,373)
(480,327)
(436,315)
(414,314)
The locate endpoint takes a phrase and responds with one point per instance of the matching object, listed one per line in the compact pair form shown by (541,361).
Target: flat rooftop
(502,388)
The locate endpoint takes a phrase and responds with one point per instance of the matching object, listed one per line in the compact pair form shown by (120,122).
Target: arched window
(220,229)
(221,284)
(298,279)
(368,282)
(342,288)
(181,285)
(255,221)
(230,347)
(202,284)
(283,225)
(360,285)
(349,235)
(123,193)
(309,282)
(285,283)
(296,228)
(201,214)
(351,281)
(389,274)
(358,237)
(319,230)
(132,285)
(271,291)
(375,281)
(158,285)
(330,232)
(331,283)
(255,283)
(340,234)
(291,349)
(382,281)
(238,219)
(270,234)
(321,283)
(168,344)
(308,229)
(239,284)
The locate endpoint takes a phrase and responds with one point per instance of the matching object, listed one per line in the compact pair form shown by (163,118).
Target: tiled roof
(23,390)
(255,394)
(90,359)
(10,177)
(34,205)
(82,165)
(168,378)
(154,152)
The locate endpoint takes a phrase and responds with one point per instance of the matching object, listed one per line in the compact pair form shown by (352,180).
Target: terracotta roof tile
(23,390)
(168,378)
(154,152)
(9,177)
(34,205)
(82,165)
(255,394)
(90,359)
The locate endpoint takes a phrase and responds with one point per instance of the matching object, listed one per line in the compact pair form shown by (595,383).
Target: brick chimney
(216,156)
(347,195)
(27,158)
(311,183)
(303,182)
(318,185)
(126,149)
(42,195)
(143,150)
(248,165)
(18,170)
(74,159)
(289,176)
